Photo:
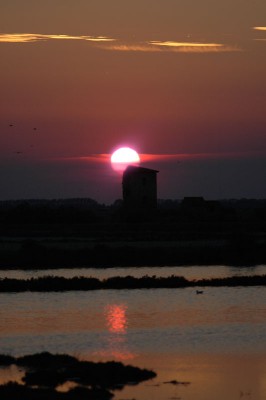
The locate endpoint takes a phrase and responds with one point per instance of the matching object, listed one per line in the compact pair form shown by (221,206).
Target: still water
(215,340)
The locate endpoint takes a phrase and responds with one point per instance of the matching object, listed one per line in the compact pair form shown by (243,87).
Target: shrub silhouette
(45,371)
(56,284)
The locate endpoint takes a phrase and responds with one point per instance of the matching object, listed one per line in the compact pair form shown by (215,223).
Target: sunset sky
(183,82)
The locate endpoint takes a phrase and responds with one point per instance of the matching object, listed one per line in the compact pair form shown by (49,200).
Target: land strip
(60,284)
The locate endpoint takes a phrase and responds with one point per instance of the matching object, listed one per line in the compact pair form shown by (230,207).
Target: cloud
(184,44)
(173,47)
(105,158)
(193,47)
(259,28)
(142,47)
(108,43)
(91,158)
(36,37)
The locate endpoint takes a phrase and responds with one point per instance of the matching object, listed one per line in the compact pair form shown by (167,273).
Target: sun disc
(123,157)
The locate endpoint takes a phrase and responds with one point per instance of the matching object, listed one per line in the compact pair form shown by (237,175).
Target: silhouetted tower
(139,189)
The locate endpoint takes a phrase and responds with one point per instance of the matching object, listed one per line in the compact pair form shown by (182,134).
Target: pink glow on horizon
(104,158)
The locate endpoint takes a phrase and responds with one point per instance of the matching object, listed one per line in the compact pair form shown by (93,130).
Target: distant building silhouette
(200,203)
(139,189)
(193,202)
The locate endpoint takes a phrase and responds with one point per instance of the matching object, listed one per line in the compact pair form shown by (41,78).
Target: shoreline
(60,284)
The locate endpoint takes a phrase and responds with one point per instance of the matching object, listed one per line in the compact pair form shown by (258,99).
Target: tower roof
(136,169)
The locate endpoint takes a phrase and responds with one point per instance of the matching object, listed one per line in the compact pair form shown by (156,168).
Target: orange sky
(166,77)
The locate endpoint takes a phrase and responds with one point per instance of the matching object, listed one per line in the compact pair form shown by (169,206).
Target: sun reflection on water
(116,318)
(117,325)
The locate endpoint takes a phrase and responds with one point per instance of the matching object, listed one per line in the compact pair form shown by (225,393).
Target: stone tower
(139,188)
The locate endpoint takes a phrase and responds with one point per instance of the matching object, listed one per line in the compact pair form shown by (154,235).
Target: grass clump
(44,372)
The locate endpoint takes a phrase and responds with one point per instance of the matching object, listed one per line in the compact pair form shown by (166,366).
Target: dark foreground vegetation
(82,233)
(33,254)
(60,284)
(44,372)
(37,256)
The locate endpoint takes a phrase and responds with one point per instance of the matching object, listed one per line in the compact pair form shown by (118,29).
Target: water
(175,319)
(215,340)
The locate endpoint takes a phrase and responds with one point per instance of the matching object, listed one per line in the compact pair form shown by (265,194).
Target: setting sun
(123,157)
